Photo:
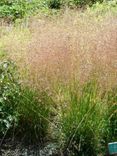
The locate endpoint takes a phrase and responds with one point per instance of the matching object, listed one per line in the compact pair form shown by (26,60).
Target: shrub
(9,96)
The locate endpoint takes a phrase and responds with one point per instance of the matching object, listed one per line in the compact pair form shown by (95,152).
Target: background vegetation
(13,9)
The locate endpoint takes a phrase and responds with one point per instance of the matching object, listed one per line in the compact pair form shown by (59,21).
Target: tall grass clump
(111,116)
(82,121)
(34,113)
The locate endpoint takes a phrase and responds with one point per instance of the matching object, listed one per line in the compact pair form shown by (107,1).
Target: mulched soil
(15,148)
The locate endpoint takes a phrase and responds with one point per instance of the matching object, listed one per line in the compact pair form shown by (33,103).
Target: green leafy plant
(9,95)
(13,9)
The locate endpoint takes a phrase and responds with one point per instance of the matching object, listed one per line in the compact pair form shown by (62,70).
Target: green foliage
(103,8)
(81,3)
(13,9)
(54,4)
(9,95)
